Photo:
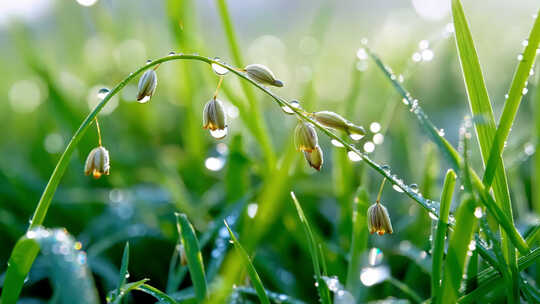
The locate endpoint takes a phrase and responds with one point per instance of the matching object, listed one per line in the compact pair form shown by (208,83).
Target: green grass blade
(260,131)
(359,242)
(480,106)
(193,255)
(515,95)
(442,226)
(123,268)
(253,275)
(454,264)
(19,265)
(275,297)
(324,294)
(156,293)
(125,289)
(490,278)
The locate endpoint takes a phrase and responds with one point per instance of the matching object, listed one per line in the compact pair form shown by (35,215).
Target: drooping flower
(378,219)
(214,117)
(305,137)
(97,162)
(147,86)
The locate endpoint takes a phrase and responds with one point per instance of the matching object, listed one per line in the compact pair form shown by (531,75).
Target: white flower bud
(378,219)
(331,120)
(97,162)
(305,137)
(214,117)
(147,86)
(315,158)
(263,75)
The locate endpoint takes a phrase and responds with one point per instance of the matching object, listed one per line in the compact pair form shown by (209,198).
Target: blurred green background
(56,55)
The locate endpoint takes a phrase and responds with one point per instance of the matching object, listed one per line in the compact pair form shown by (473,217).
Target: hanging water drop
(294,103)
(524,91)
(414,187)
(520,57)
(172,53)
(397,188)
(356,137)
(353,156)
(336,143)
(102,93)
(219,133)
(218,69)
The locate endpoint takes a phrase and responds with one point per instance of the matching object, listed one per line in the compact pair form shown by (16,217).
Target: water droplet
(427,55)
(401,78)
(252,210)
(414,187)
(219,134)
(478,213)
(145,99)
(375,127)
(529,149)
(356,137)
(361,54)
(102,93)
(386,168)
(364,41)
(432,216)
(369,147)
(397,188)
(423,44)
(353,156)
(520,57)
(524,91)
(219,70)
(372,275)
(214,163)
(172,53)
(505,96)
(416,57)
(441,132)
(378,139)
(148,61)
(525,42)
(294,103)
(336,143)
(405,101)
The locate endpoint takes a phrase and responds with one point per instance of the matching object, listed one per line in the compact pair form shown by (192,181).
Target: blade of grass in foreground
(253,275)
(19,265)
(156,293)
(480,106)
(490,279)
(515,95)
(324,294)
(358,243)
(454,263)
(193,255)
(442,226)
(259,124)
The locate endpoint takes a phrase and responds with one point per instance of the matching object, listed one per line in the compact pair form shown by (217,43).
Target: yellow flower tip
(315,158)
(305,137)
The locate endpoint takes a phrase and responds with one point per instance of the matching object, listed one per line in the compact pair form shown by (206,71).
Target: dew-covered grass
(240,151)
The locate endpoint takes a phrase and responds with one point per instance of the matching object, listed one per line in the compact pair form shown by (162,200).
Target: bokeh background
(56,55)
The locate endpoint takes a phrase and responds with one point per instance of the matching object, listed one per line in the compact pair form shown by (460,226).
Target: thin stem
(380,191)
(218,86)
(98,131)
